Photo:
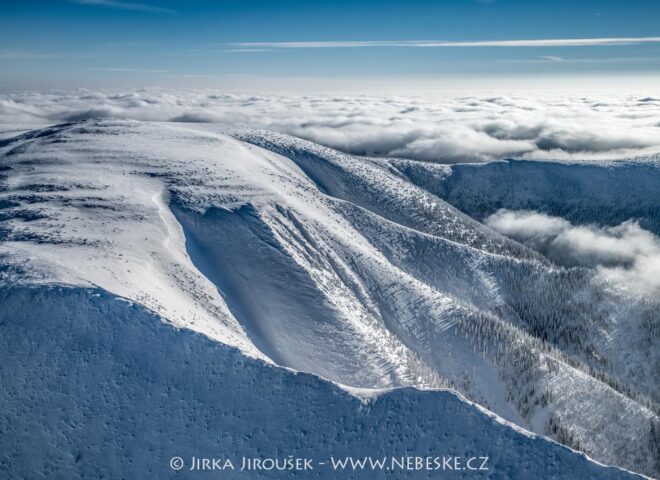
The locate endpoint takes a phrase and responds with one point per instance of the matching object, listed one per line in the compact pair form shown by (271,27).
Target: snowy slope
(334,265)
(96,387)
(603,192)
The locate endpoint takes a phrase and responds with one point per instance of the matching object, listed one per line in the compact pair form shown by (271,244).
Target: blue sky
(261,44)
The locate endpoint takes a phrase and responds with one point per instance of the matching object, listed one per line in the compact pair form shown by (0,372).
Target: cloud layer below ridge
(625,254)
(436,129)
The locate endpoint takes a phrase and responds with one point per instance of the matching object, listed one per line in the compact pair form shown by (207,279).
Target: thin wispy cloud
(601,61)
(247,50)
(552,42)
(122,69)
(141,7)
(21,55)
(125,44)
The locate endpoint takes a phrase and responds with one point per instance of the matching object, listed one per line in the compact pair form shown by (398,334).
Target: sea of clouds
(625,254)
(447,129)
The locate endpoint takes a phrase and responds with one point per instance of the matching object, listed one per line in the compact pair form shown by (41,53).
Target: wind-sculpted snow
(376,187)
(334,265)
(436,128)
(96,387)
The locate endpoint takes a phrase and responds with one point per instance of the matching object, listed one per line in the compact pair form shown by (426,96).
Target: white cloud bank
(434,128)
(625,254)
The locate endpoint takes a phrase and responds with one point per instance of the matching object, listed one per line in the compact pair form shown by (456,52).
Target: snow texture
(97,387)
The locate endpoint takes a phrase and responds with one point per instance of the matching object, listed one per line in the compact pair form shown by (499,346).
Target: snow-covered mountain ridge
(590,192)
(102,388)
(334,265)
